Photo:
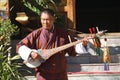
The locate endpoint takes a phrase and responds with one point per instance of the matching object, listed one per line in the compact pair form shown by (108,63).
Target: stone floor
(92,72)
(89,76)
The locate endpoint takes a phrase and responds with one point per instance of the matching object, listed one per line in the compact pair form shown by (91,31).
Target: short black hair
(47,10)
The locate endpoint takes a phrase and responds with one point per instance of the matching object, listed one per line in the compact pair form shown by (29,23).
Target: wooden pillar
(70,9)
(4,9)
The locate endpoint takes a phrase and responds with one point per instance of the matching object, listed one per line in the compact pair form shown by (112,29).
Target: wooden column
(4,9)
(70,9)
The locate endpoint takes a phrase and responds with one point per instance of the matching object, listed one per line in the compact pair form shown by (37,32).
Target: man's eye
(45,19)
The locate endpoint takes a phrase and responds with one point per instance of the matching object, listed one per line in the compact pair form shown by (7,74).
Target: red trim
(105,72)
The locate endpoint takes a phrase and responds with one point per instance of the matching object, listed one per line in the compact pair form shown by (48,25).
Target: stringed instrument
(33,63)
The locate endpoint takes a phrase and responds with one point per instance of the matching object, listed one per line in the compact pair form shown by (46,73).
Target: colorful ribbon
(96,40)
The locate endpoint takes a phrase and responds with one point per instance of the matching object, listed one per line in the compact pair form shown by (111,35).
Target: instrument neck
(58,49)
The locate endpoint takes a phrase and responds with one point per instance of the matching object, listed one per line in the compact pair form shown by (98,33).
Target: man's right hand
(35,55)
(46,54)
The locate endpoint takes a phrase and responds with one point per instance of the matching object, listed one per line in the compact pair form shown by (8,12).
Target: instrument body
(33,63)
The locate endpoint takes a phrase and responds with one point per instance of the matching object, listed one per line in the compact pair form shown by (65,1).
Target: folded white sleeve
(24,52)
(80,49)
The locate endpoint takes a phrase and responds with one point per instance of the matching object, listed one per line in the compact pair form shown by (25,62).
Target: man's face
(47,21)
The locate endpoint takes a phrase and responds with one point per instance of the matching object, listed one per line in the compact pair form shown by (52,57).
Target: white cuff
(79,48)
(24,52)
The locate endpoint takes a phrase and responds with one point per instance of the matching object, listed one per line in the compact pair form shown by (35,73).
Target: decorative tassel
(106,66)
(98,51)
(97,45)
(106,56)
(96,40)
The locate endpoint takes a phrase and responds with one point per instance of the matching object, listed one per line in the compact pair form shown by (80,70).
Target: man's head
(47,18)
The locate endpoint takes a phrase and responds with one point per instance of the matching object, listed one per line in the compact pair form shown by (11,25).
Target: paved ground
(92,72)
(89,76)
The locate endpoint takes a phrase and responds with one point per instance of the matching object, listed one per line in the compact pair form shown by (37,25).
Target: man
(47,37)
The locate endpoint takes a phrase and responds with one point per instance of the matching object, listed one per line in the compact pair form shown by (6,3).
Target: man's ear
(54,19)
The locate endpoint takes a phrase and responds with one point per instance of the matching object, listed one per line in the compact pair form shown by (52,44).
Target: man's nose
(45,21)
